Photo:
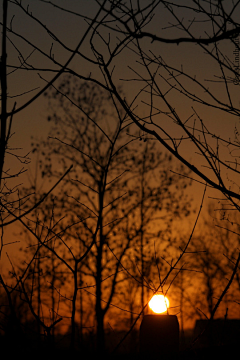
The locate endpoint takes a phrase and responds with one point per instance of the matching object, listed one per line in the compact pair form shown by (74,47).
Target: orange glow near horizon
(159,304)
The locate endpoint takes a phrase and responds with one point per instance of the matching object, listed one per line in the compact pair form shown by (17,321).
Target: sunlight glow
(159,304)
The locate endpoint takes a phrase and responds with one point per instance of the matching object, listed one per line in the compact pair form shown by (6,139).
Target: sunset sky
(68,28)
(38,45)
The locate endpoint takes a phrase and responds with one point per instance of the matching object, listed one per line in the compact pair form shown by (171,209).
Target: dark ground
(15,347)
(25,352)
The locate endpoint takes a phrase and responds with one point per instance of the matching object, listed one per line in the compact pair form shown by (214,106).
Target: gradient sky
(69,28)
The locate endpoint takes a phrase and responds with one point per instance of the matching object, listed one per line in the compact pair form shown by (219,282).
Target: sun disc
(159,304)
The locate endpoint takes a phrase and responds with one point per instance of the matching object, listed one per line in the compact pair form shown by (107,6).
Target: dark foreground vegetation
(60,349)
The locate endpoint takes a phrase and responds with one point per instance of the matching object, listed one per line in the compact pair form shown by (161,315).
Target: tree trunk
(99,311)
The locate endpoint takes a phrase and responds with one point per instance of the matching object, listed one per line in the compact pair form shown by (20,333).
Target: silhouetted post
(159,335)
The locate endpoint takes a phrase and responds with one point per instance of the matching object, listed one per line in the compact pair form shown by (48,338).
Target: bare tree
(131,210)
(159,80)
(12,162)
(182,82)
(82,136)
(214,251)
(158,210)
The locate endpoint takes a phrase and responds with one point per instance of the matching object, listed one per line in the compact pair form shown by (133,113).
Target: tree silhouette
(214,255)
(158,209)
(158,79)
(180,65)
(111,187)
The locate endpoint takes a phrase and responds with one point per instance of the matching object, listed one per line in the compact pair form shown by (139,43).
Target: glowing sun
(159,304)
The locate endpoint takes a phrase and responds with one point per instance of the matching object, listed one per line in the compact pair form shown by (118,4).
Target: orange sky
(32,121)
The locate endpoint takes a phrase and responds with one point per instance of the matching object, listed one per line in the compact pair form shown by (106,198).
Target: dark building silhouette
(159,335)
(219,332)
